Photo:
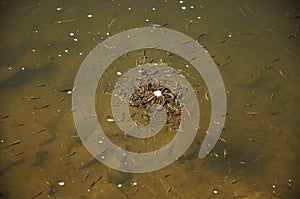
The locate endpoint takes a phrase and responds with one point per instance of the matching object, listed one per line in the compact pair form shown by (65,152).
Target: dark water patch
(41,157)
(4,195)
(10,55)
(25,77)
(52,189)
(11,165)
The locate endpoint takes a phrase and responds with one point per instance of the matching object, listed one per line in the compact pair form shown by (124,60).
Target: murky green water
(256,47)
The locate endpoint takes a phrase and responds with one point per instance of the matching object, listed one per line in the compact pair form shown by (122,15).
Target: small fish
(158,25)
(14,143)
(215,154)
(258,158)
(223,140)
(189,24)
(111,23)
(38,194)
(168,175)
(295,17)
(272,96)
(30,97)
(41,84)
(185,42)
(235,181)
(275,60)
(206,96)
(253,113)
(85,177)
(65,90)
(281,73)
(40,131)
(4,117)
(224,154)
(17,154)
(169,189)
(98,179)
(144,53)
(243,163)
(42,107)
(201,35)
(72,153)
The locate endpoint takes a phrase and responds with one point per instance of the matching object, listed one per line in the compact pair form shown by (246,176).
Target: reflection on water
(255,45)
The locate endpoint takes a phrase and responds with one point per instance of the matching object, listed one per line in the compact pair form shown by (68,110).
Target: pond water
(255,45)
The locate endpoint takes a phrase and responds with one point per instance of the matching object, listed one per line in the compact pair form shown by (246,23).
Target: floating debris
(110,120)
(183,8)
(119,73)
(119,185)
(61,183)
(215,191)
(90,16)
(134,184)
